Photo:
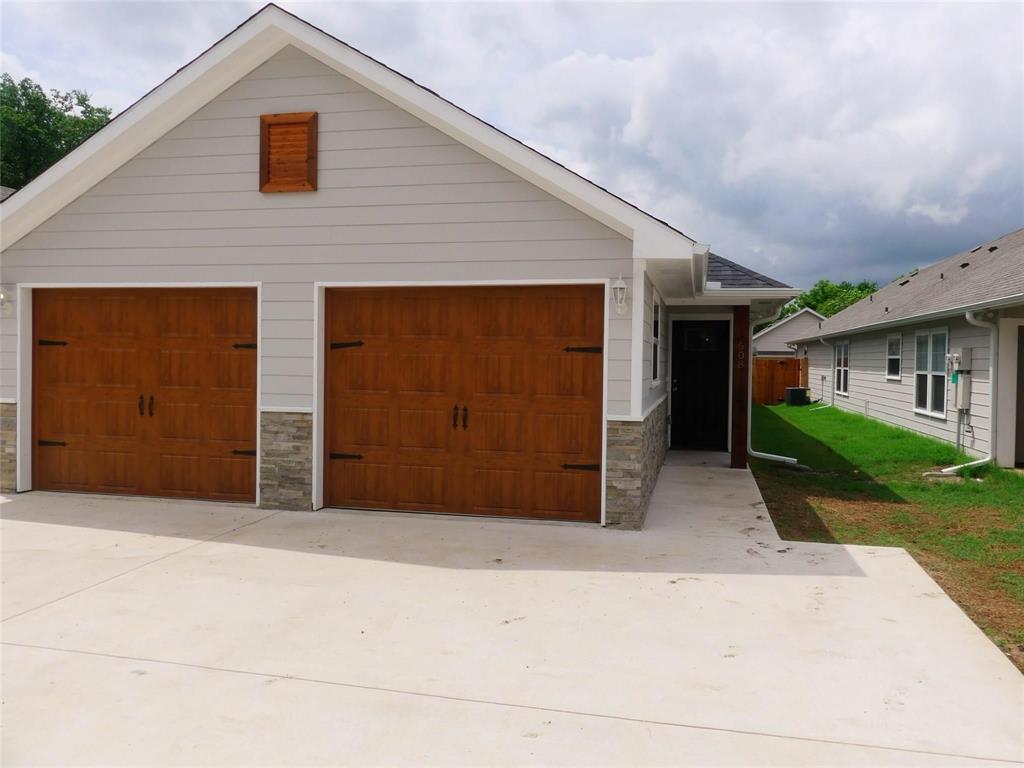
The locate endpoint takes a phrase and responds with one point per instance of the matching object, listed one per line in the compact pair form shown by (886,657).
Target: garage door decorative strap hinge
(244,452)
(356,456)
(52,343)
(245,345)
(584,467)
(56,443)
(345,344)
(590,350)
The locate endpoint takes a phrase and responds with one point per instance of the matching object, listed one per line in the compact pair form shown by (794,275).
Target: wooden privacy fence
(773,374)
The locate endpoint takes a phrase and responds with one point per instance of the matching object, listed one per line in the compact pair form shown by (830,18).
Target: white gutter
(750,399)
(750,293)
(1006,301)
(993,373)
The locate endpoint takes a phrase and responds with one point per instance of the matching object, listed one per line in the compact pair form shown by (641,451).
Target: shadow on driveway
(689,502)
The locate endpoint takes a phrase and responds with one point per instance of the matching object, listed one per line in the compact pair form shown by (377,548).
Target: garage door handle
(151,405)
(455,416)
(465,417)
(142,405)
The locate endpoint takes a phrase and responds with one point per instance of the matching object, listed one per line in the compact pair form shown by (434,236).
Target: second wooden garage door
(482,401)
(145,391)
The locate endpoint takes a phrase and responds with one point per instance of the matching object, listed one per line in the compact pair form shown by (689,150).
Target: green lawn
(864,485)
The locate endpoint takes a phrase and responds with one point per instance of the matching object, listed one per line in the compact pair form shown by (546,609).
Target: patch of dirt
(989,606)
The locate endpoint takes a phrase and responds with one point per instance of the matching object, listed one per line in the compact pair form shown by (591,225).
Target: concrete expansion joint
(508,704)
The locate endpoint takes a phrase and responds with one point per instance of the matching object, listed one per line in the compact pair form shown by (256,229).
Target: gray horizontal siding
(338,140)
(892,401)
(776,339)
(357,215)
(337,199)
(397,201)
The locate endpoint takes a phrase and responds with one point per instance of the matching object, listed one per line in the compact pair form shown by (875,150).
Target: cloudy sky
(830,140)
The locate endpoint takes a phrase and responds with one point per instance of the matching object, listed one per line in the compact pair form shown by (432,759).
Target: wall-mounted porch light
(619,290)
(6,300)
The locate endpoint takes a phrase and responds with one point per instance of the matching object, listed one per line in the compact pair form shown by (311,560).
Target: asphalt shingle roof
(990,272)
(733,275)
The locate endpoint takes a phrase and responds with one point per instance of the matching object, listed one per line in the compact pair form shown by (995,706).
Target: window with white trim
(894,356)
(842,368)
(655,342)
(930,371)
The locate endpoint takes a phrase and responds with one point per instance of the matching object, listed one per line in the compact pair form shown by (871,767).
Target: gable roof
(729,274)
(778,324)
(986,276)
(249,45)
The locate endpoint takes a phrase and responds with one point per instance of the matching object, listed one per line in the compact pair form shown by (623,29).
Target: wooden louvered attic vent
(288,152)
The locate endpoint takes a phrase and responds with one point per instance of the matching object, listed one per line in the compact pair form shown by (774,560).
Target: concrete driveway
(152,632)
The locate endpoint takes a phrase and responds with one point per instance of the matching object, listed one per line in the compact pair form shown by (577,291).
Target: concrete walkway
(153,632)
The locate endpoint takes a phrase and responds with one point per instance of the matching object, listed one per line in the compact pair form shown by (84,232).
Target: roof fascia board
(1007,301)
(751,293)
(250,45)
(651,238)
(140,125)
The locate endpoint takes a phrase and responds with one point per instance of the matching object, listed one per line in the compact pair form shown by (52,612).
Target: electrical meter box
(960,359)
(963,393)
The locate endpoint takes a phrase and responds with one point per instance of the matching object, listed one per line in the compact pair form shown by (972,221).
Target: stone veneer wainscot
(8,446)
(636,451)
(286,461)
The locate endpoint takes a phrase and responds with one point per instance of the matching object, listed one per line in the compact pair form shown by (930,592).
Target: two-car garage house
(291,276)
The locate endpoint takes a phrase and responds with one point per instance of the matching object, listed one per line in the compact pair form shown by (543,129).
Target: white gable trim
(782,322)
(248,46)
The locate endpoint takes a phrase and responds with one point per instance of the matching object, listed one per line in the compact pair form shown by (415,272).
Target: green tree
(827,298)
(37,130)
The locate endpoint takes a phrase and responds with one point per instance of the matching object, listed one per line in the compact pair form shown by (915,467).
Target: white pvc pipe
(750,404)
(993,373)
(832,363)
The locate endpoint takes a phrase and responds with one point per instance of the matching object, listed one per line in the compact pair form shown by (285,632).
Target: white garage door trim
(319,289)
(24,357)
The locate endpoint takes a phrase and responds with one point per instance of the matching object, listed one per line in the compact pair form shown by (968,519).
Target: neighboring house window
(894,356)
(655,342)
(930,372)
(842,377)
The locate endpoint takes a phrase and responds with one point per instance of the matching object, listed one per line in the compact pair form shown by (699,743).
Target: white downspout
(750,401)
(993,373)
(832,364)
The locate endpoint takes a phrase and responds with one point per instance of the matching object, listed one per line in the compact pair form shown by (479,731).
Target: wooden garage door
(477,400)
(145,391)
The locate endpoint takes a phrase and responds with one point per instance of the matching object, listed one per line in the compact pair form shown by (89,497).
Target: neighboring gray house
(939,351)
(777,339)
(291,276)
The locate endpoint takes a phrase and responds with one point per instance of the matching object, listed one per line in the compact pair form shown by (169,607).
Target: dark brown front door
(700,384)
(145,391)
(465,400)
